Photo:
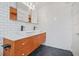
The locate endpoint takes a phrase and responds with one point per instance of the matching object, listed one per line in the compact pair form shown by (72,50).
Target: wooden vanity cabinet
(24,46)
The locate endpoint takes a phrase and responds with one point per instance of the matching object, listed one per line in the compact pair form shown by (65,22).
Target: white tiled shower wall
(6,25)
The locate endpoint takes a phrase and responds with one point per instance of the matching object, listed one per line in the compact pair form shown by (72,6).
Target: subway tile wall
(6,25)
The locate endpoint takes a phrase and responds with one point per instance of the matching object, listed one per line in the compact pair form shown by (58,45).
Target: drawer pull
(22,43)
(23,54)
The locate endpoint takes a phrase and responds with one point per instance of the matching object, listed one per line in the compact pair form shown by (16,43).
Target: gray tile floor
(50,51)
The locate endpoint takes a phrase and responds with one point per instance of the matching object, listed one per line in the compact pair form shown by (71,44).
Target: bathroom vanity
(23,45)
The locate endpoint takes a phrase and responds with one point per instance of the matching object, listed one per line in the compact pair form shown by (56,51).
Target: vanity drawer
(23,42)
(40,38)
(25,50)
(20,52)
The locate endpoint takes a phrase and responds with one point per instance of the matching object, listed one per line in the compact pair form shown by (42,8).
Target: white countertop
(20,35)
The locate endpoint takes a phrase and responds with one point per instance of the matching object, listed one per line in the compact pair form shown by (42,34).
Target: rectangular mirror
(23,14)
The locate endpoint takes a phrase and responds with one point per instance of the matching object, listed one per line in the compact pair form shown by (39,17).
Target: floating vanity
(22,44)
(16,41)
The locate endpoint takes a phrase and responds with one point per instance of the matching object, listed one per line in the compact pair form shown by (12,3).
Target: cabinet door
(39,39)
(23,46)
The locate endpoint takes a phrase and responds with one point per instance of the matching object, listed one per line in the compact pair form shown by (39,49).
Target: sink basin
(21,34)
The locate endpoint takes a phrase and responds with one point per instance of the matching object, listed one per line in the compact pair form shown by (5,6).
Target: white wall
(61,23)
(56,20)
(75,38)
